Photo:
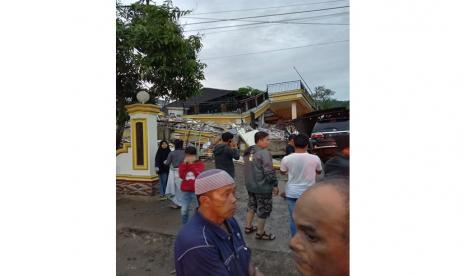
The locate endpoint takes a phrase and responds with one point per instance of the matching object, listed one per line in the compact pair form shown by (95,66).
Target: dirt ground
(147,227)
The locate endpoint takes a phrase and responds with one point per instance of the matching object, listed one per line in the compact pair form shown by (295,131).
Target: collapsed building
(201,119)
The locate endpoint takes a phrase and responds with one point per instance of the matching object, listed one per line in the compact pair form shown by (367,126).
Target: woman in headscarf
(174,181)
(162,169)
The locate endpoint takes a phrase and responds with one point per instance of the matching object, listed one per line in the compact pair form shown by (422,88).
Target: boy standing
(302,168)
(261,184)
(189,169)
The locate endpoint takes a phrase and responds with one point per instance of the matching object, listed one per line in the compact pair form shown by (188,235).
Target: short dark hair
(260,135)
(164,141)
(301,141)
(178,144)
(291,137)
(191,150)
(227,136)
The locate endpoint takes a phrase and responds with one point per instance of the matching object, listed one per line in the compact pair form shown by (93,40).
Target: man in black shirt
(339,165)
(225,152)
(290,144)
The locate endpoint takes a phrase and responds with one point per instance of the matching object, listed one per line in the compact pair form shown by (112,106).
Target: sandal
(264,236)
(249,230)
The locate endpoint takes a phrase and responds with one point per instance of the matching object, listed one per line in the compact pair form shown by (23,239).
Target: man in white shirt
(302,168)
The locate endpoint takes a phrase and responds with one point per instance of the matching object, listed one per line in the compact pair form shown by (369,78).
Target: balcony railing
(231,106)
(285,86)
(282,87)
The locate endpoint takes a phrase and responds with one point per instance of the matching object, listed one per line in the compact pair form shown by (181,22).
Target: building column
(294,110)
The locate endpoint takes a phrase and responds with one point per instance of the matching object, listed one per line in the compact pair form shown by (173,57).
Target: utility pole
(308,87)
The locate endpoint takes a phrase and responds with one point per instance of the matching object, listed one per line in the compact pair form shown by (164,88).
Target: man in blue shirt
(211,243)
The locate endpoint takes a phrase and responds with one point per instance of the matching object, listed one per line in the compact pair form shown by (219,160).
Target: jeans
(291,206)
(187,198)
(163,180)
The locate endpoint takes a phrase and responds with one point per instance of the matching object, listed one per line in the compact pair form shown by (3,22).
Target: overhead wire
(262,23)
(275,50)
(282,21)
(266,8)
(260,16)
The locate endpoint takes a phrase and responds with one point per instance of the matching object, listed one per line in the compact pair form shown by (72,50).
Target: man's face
(346,152)
(190,158)
(264,142)
(321,244)
(223,201)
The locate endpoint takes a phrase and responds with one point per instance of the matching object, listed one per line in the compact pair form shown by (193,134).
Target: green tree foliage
(323,98)
(246,92)
(152,54)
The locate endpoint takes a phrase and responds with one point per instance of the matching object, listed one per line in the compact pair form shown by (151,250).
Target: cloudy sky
(233,55)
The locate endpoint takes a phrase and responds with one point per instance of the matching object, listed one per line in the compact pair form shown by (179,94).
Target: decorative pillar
(135,162)
(294,110)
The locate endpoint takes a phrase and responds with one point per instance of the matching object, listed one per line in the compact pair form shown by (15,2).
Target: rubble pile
(275,134)
(217,128)
(183,123)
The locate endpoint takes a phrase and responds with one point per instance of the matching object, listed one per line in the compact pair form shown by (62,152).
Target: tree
(245,92)
(152,54)
(322,94)
(324,100)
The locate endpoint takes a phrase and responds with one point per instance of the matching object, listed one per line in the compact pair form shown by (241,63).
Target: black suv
(324,127)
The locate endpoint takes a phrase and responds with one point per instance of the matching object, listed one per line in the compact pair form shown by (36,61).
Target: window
(140,144)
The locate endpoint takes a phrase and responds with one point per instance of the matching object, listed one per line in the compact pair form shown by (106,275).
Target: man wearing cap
(211,243)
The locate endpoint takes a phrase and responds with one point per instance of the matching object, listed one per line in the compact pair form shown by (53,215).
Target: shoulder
(236,229)
(332,160)
(233,222)
(263,152)
(191,238)
(286,159)
(314,156)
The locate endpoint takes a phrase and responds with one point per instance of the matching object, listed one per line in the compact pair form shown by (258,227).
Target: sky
(325,64)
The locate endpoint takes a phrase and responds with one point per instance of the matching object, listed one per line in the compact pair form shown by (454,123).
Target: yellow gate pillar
(135,163)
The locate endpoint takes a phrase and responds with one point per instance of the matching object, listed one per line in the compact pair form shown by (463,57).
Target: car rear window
(331,126)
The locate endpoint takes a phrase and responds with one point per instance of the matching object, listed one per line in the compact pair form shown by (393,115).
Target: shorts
(261,204)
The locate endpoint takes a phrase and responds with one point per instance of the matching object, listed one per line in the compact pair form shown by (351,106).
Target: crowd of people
(211,241)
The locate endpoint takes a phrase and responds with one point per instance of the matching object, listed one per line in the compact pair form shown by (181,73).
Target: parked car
(322,127)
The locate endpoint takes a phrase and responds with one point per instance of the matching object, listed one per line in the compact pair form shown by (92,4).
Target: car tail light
(317,135)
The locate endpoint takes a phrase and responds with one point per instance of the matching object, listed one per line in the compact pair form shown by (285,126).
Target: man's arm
(201,261)
(168,159)
(283,166)
(233,151)
(267,163)
(319,168)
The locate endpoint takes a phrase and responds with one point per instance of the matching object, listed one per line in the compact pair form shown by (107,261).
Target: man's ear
(204,200)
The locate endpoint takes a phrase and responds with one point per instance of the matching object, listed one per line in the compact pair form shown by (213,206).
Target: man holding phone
(225,152)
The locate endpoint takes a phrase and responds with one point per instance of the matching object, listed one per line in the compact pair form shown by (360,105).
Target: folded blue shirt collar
(215,227)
